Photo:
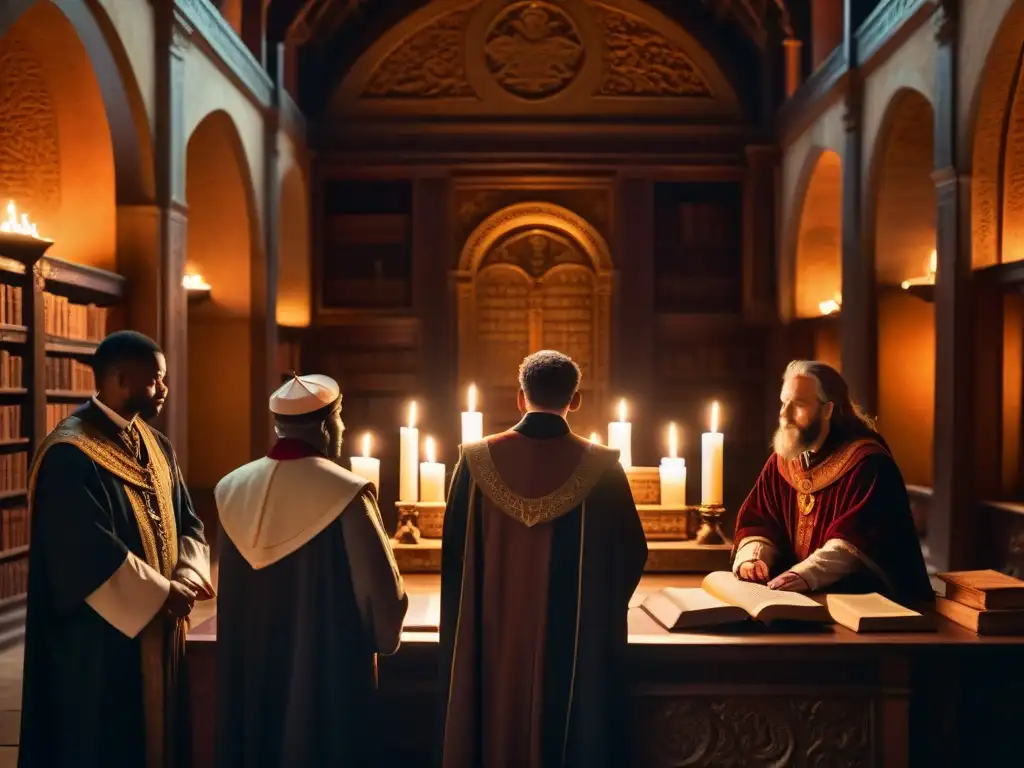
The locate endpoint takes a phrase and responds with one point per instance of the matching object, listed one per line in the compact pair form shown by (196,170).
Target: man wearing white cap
(309,594)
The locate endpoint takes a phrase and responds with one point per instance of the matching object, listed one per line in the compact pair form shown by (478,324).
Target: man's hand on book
(789,582)
(754,570)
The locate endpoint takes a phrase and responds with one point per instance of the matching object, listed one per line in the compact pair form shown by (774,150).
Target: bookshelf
(53,314)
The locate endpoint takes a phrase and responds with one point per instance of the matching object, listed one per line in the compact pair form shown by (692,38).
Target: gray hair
(847,416)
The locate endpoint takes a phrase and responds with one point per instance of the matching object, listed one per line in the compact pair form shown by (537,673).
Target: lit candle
(673,473)
(431,474)
(366,466)
(711,463)
(472,420)
(620,436)
(409,458)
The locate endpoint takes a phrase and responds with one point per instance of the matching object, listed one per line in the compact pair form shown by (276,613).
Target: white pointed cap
(304,394)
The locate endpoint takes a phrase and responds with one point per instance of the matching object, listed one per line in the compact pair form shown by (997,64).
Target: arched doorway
(222,244)
(903,232)
(534,276)
(293,280)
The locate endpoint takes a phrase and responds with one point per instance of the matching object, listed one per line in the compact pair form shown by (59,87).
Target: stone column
(759,295)
(826,29)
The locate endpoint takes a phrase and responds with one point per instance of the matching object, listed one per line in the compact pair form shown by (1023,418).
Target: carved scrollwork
(757,732)
(536,252)
(640,61)
(29,137)
(429,65)
(533,50)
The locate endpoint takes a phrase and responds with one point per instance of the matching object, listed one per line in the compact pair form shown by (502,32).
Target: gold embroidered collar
(542,509)
(830,469)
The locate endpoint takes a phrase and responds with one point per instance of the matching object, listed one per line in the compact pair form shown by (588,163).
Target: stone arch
(900,229)
(224,246)
(531,276)
(65,80)
(294,286)
(816,244)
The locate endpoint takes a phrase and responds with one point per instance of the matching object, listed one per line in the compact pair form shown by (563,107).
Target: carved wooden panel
(29,139)
(754,731)
(568,308)
(502,338)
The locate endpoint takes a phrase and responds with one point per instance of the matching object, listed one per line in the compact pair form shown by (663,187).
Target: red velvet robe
(855,493)
(542,550)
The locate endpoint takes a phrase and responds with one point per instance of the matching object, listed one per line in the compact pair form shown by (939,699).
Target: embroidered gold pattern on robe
(831,469)
(159,547)
(541,509)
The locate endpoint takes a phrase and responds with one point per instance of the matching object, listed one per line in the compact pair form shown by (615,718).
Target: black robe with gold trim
(542,551)
(87,687)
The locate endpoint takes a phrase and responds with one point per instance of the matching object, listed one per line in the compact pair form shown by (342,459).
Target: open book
(724,599)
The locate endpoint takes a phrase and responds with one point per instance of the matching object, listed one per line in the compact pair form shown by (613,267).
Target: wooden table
(746,697)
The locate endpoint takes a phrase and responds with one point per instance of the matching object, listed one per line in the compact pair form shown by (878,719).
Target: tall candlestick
(472,420)
(366,466)
(620,436)
(711,463)
(431,474)
(408,460)
(673,473)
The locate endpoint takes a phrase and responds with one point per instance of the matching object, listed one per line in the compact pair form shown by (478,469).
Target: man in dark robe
(309,595)
(542,550)
(117,559)
(830,508)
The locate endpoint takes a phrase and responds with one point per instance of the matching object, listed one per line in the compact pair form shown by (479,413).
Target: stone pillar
(759,294)
(826,29)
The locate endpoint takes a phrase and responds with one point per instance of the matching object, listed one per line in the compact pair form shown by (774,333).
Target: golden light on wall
(928,278)
(831,306)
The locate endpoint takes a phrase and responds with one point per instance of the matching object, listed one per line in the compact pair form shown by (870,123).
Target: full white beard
(787,442)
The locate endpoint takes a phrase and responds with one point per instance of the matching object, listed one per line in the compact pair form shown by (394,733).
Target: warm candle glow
(620,436)
(714,416)
(929,277)
(595,438)
(673,441)
(471,399)
(194,282)
(14,225)
(429,450)
(412,414)
(622,410)
(366,445)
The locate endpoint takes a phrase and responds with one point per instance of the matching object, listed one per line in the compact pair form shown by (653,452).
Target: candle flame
(15,226)
(595,438)
(673,441)
(831,306)
(430,450)
(471,398)
(412,415)
(622,409)
(929,277)
(194,282)
(366,445)
(714,416)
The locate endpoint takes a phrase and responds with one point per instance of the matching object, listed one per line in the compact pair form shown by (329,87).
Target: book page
(753,598)
(871,604)
(424,614)
(693,599)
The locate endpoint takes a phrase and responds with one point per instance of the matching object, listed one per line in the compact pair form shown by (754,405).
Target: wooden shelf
(67,394)
(13,334)
(87,285)
(8,495)
(56,345)
(13,554)
(13,392)
(20,442)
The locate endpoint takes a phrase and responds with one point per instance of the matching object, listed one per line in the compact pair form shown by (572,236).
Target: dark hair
(122,347)
(549,379)
(848,418)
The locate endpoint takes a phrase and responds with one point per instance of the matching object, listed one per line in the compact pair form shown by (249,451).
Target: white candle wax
(366,466)
(620,436)
(408,461)
(472,420)
(673,482)
(431,475)
(711,463)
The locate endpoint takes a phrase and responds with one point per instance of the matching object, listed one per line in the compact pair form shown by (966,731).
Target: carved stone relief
(429,65)
(29,137)
(533,50)
(536,252)
(640,61)
(757,732)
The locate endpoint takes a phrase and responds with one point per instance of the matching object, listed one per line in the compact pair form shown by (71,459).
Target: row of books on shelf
(69,375)
(11,373)
(56,413)
(13,472)
(14,527)
(73,321)
(10,305)
(10,422)
(13,578)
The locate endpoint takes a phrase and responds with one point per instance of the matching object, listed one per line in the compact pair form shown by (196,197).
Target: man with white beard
(830,508)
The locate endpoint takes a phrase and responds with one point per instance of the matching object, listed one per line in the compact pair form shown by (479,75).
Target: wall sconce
(832,306)
(198,290)
(923,287)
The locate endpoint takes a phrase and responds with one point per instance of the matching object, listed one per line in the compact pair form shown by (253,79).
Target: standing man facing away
(309,594)
(117,559)
(541,553)
(830,508)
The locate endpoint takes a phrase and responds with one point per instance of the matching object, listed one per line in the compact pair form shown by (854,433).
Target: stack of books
(986,602)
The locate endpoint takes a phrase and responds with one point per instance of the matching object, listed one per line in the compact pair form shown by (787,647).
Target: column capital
(946,21)
(181,34)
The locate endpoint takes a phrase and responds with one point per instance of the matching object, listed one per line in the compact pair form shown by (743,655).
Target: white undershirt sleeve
(131,597)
